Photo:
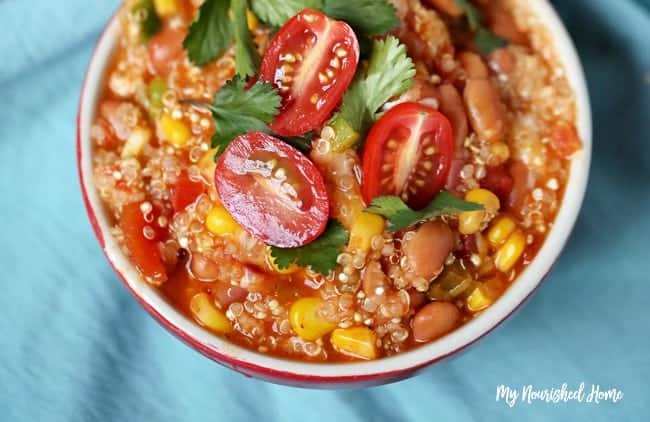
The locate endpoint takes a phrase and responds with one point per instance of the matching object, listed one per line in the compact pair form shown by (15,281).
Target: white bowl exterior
(465,335)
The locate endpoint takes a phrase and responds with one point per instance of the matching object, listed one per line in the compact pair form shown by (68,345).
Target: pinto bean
(485,109)
(204,268)
(502,24)
(428,250)
(473,65)
(373,277)
(522,182)
(451,105)
(226,294)
(434,321)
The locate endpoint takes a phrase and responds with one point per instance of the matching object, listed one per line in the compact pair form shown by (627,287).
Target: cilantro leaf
(367,17)
(150,23)
(211,33)
(474,16)
(237,110)
(277,12)
(486,41)
(401,216)
(390,73)
(320,254)
(246,54)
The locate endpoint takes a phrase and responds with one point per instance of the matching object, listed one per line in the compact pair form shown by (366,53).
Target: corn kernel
(365,227)
(166,8)
(479,299)
(220,222)
(251,20)
(209,315)
(470,222)
(138,138)
(358,342)
(306,321)
(508,254)
(175,131)
(207,165)
(500,230)
(271,260)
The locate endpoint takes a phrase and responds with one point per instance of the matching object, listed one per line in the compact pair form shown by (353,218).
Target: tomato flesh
(185,192)
(144,252)
(311,61)
(164,49)
(408,153)
(272,190)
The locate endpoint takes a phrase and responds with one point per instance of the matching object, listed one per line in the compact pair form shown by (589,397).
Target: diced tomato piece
(565,140)
(144,252)
(498,181)
(165,49)
(185,192)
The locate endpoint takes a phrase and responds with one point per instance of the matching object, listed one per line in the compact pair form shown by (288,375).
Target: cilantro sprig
(217,24)
(357,13)
(401,216)
(237,110)
(277,12)
(484,39)
(211,33)
(390,73)
(320,255)
(247,57)
(366,17)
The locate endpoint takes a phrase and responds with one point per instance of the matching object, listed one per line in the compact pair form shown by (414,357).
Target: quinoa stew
(311,185)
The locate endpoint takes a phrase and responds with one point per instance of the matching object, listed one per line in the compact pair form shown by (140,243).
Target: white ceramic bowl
(320,375)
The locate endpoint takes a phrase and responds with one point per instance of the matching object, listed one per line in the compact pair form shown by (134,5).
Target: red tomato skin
(400,118)
(164,49)
(254,202)
(144,252)
(185,192)
(311,106)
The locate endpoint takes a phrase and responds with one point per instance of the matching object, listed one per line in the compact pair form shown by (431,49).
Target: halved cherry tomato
(272,190)
(311,60)
(523,181)
(408,153)
(185,192)
(144,252)
(164,49)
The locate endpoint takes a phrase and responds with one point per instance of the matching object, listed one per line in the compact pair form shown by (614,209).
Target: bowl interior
(243,359)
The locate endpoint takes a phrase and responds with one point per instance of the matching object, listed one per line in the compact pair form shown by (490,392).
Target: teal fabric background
(75,346)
